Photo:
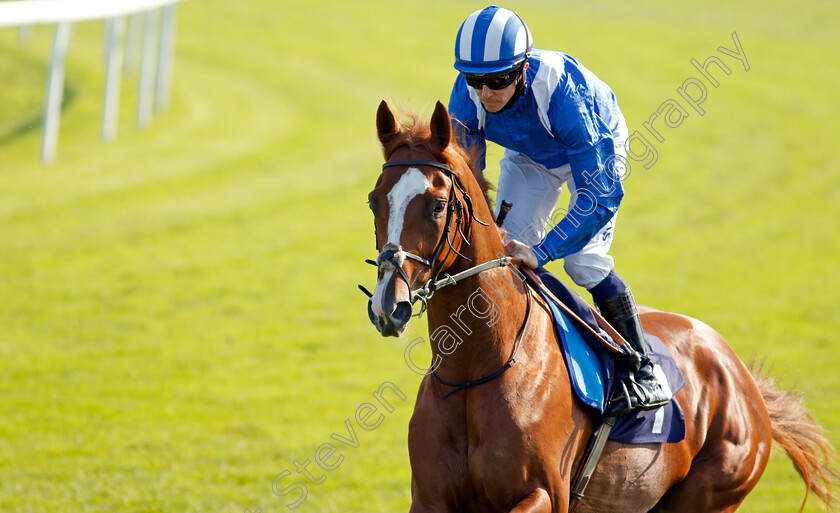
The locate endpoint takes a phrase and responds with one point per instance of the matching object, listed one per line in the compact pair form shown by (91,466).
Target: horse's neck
(474,325)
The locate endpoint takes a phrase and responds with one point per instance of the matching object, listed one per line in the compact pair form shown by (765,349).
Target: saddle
(594,373)
(595,377)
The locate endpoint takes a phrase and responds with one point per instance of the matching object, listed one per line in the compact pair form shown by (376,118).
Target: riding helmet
(492,40)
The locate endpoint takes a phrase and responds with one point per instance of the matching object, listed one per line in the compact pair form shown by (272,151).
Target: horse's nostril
(371,315)
(402,313)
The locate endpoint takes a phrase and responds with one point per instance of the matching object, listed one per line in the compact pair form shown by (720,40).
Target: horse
(496,426)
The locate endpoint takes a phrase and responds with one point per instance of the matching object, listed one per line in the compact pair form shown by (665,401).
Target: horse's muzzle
(393,324)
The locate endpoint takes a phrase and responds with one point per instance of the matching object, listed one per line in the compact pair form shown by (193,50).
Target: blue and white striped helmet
(492,40)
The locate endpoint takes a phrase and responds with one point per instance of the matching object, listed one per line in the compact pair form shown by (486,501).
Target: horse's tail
(796,431)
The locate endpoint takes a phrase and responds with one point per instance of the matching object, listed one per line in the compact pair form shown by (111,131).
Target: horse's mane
(416,134)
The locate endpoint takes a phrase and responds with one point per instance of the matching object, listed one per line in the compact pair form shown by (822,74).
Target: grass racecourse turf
(179,318)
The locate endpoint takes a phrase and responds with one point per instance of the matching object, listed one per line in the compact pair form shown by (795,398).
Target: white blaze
(378,295)
(410,185)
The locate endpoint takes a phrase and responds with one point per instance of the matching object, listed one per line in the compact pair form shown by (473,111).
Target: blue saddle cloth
(594,373)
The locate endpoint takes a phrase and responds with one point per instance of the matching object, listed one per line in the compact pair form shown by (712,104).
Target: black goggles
(496,81)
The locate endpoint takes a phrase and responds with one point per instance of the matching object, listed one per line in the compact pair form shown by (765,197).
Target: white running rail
(158,20)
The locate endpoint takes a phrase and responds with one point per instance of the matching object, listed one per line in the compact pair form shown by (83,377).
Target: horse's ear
(386,124)
(441,127)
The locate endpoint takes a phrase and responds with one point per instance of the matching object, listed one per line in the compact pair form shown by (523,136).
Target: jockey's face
(494,100)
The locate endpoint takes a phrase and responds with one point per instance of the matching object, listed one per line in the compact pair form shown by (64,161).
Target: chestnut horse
(513,443)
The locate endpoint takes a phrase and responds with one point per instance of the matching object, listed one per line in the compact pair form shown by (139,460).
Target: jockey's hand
(523,252)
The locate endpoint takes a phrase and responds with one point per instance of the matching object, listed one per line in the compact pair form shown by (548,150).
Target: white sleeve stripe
(545,82)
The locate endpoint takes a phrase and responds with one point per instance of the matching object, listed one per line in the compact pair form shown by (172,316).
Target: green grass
(179,319)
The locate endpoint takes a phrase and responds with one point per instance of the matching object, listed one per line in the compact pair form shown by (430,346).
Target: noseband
(393,256)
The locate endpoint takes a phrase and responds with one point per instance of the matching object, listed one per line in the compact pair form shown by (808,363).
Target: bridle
(392,255)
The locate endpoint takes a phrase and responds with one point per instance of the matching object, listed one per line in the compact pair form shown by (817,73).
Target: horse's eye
(440,206)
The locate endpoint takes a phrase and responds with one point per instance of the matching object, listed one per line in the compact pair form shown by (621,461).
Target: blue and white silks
(566,115)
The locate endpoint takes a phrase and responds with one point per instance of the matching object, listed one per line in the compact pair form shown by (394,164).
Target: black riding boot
(642,390)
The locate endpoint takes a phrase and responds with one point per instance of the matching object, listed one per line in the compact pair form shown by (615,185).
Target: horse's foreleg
(537,501)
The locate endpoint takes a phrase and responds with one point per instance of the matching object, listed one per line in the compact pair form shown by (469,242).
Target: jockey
(559,124)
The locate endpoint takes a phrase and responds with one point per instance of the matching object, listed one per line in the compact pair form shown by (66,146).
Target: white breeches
(534,190)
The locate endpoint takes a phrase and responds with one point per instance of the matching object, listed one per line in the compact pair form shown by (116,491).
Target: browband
(432,163)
